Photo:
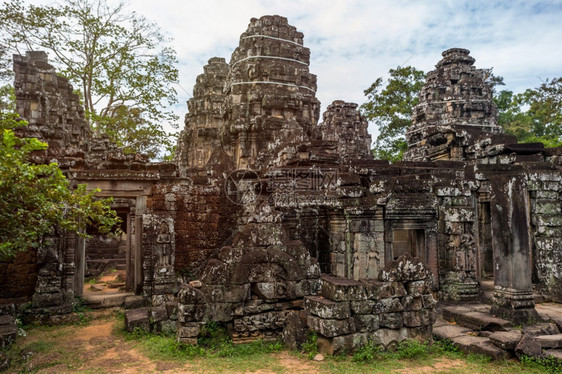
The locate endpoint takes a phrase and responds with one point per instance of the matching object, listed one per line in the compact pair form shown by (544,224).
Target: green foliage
(389,106)
(411,349)
(534,115)
(547,364)
(36,199)
(213,342)
(310,347)
(119,61)
(368,353)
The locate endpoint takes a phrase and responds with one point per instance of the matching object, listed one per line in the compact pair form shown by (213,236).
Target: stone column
(513,294)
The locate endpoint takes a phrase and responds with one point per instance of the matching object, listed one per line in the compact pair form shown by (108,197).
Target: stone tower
(455,109)
(204,121)
(271,95)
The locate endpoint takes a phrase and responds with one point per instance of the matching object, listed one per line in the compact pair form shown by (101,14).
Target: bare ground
(99,347)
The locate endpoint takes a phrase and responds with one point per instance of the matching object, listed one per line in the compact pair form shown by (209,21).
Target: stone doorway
(408,241)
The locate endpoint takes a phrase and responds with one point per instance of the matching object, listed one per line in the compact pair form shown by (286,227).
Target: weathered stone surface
(325,308)
(474,320)
(449,332)
(549,341)
(341,289)
(389,305)
(331,327)
(540,329)
(134,302)
(389,338)
(406,269)
(137,319)
(391,320)
(294,332)
(528,346)
(506,339)
(366,322)
(362,307)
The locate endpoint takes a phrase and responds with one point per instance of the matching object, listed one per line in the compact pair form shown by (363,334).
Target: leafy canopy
(542,119)
(390,106)
(119,61)
(34,199)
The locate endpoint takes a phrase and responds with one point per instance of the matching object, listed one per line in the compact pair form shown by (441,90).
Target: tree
(390,106)
(37,199)
(118,60)
(542,119)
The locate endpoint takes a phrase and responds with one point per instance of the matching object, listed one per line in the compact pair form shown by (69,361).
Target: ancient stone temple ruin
(272,222)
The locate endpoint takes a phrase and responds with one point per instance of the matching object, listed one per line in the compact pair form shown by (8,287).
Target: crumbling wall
(253,285)
(352,313)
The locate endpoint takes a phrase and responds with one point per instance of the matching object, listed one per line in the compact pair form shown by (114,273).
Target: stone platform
(473,329)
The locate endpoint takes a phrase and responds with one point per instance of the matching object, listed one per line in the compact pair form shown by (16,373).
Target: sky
(353,42)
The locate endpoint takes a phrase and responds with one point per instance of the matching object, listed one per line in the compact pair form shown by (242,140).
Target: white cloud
(353,42)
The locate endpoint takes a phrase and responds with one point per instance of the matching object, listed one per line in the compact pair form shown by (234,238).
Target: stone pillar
(513,294)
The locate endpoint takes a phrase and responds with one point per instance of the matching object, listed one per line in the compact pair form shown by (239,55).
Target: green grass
(48,346)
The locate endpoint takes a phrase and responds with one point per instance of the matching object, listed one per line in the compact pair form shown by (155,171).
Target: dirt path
(101,347)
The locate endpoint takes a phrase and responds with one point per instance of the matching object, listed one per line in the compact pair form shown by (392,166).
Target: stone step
(449,331)
(480,345)
(98,301)
(474,318)
(506,339)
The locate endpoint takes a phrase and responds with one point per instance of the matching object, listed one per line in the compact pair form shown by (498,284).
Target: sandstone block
(528,346)
(506,339)
(366,322)
(412,319)
(362,307)
(342,289)
(325,308)
(137,318)
(331,327)
(549,341)
(391,320)
(389,305)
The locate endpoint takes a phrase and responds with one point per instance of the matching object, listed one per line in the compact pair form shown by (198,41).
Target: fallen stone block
(488,349)
(549,341)
(325,308)
(137,319)
(528,346)
(294,332)
(547,328)
(481,321)
(342,344)
(8,334)
(449,331)
(506,339)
